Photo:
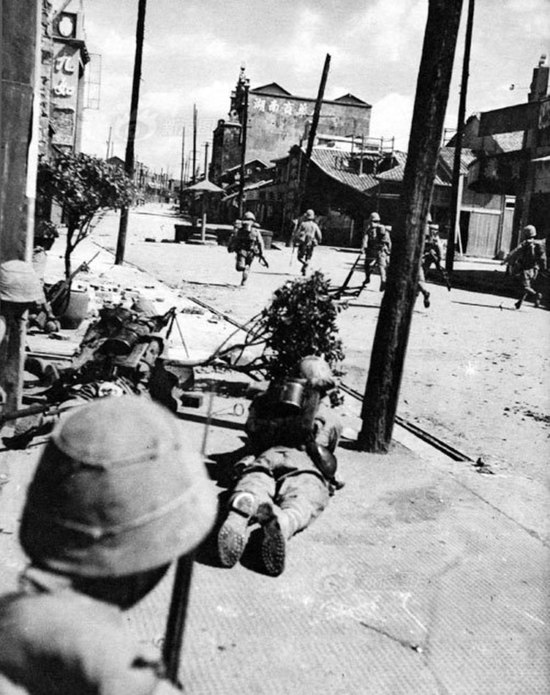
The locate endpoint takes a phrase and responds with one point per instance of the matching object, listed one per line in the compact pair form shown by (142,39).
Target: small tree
(83,186)
(300,321)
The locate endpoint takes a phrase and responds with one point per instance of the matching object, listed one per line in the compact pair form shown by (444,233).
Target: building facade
(276,120)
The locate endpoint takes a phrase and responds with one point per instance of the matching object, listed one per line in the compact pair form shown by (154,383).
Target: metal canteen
(292,393)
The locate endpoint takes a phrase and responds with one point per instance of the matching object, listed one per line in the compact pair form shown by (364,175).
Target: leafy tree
(83,186)
(300,321)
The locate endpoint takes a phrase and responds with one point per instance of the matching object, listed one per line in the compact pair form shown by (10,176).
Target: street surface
(422,576)
(476,372)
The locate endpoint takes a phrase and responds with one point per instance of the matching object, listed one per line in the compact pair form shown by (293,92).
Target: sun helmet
(118,490)
(19,283)
(249,216)
(374,217)
(310,214)
(530,231)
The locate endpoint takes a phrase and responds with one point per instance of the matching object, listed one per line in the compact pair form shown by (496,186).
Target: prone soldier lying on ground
(116,497)
(287,481)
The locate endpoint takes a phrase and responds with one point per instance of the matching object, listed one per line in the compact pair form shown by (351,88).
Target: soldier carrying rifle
(432,254)
(247,243)
(116,497)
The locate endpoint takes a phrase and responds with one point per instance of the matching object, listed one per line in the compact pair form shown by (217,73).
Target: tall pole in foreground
(394,320)
(132,125)
(456,190)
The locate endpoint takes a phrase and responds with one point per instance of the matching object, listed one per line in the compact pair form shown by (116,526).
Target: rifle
(263,260)
(341,289)
(38,409)
(57,291)
(175,624)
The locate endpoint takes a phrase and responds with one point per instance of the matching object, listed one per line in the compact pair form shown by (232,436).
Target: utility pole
(244,131)
(108,142)
(313,132)
(206,161)
(456,190)
(19,129)
(194,173)
(182,166)
(394,320)
(134,103)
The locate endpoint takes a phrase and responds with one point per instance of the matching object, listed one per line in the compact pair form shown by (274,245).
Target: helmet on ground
(249,216)
(19,283)
(529,232)
(310,214)
(317,373)
(374,217)
(118,490)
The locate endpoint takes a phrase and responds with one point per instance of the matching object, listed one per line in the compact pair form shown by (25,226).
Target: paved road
(477,371)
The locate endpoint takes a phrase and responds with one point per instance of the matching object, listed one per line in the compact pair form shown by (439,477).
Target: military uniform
(247,243)
(307,236)
(525,261)
(115,498)
(280,486)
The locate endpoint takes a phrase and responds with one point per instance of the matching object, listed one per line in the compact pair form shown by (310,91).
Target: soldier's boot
(245,276)
(426,299)
(233,534)
(520,301)
(538,297)
(304,268)
(279,525)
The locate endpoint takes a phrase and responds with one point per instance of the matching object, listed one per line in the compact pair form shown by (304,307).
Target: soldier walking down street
(288,480)
(116,497)
(525,262)
(432,254)
(247,243)
(369,245)
(306,237)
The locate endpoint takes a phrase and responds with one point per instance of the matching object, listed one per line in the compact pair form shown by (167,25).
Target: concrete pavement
(422,576)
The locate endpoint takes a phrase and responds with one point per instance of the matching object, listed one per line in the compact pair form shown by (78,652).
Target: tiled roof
(447,155)
(443,173)
(331,161)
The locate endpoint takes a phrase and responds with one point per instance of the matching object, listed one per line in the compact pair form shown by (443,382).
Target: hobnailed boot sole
(233,534)
(273,548)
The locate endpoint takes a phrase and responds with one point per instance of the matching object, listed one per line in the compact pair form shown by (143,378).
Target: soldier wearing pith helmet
(116,497)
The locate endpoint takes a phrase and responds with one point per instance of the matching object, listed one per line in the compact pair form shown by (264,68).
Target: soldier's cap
(118,490)
(530,231)
(317,372)
(19,283)
(374,217)
(310,214)
(249,216)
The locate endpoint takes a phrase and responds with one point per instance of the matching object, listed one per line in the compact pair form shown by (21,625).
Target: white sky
(194,49)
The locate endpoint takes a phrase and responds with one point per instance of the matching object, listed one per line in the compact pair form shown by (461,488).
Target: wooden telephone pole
(132,126)
(456,190)
(313,132)
(394,320)
(19,108)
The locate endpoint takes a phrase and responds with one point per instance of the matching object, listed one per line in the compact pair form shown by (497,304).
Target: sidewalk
(422,576)
(415,579)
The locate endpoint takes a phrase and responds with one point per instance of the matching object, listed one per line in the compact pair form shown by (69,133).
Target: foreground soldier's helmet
(310,214)
(19,283)
(374,217)
(317,373)
(249,216)
(117,491)
(530,231)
